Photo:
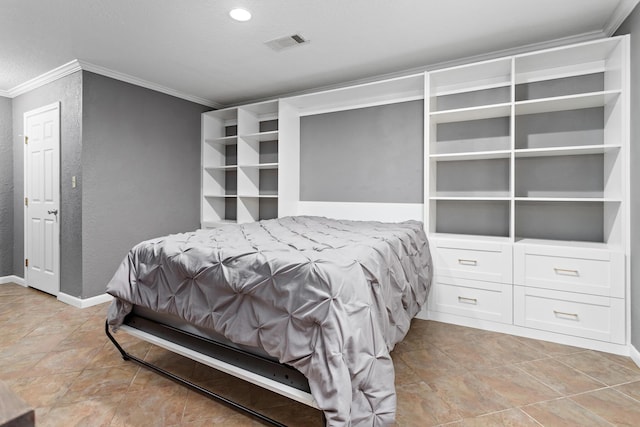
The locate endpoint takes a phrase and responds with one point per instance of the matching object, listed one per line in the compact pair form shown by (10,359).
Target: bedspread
(328,297)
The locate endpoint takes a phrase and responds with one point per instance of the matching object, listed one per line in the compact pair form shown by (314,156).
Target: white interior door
(42,198)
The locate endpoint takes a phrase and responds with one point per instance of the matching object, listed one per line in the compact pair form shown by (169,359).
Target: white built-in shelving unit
(240,164)
(526,185)
(527,193)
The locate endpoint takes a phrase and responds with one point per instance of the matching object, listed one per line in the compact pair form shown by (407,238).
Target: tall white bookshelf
(240,164)
(528,167)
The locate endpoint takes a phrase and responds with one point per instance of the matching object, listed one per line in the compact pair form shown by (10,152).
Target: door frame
(25,115)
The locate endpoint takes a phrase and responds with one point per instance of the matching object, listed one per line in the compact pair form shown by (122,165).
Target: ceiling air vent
(286,42)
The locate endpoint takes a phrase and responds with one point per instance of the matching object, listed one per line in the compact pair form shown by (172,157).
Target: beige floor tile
(87,413)
(625,361)
(57,357)
(109,383)
(238,420)
(29,345)
(560,377)
(8,339)
(510,418)
(431,364)
(70,360)
(83,339)
(404,374)
(601,368)
(611,405)
(42,391)
(153,407)
(19,366)
(564,412)
(419,405)
(549,348)
(295,415)
(447,334)
(515,386)
(468,395)
(631,389)
(202,408)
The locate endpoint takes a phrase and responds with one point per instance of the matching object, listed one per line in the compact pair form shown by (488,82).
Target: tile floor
(57,358)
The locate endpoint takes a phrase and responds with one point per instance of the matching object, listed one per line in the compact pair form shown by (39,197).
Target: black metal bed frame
(284,374)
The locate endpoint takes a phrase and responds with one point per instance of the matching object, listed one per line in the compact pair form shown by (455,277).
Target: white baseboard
(12,279)
(83,303)
(635,354)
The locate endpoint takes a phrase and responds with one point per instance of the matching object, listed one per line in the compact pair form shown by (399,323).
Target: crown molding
(87,66)
(43,79)
(5,94)
(77,65)
(621,13)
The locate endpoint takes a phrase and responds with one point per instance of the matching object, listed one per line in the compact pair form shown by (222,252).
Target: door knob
(53,211)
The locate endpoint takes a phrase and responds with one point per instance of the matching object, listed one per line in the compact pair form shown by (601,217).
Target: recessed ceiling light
(241,15)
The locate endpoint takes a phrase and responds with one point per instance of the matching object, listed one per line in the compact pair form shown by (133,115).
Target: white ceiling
(193,48)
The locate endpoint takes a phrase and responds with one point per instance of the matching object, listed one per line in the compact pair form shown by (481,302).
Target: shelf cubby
(480,135)
(491,178)
(472,217)
(564,220)
(560,176)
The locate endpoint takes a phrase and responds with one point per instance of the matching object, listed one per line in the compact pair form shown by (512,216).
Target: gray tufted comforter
(328,297)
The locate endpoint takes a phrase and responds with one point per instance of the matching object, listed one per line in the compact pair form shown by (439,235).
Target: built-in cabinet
(240,164)
(528,167)
(526,176)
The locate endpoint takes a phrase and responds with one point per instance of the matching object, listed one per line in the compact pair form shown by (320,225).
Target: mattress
(329,297)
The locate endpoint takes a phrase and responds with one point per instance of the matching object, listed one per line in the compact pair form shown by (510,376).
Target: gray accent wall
(632,26)
(372,154)
(141,172)
(67,91)
(6,188)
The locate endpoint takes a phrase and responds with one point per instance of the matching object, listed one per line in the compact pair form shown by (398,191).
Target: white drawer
(591,271)
(473,260)
(469,298)
(588,316)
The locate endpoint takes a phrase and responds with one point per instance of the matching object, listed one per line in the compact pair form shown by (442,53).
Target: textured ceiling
(194,48)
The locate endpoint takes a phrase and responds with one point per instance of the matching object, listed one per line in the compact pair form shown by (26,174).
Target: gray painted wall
(370,154)
(67,91)
(632,26)
(141,171)
(6,188)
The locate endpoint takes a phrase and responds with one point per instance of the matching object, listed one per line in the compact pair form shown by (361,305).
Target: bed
(328,297)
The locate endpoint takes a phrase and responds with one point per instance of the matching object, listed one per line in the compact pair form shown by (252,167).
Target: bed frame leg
(192,386)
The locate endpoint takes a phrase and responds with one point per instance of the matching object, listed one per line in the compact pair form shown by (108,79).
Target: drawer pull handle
(465,300)
(565,315)
(471,262)
(566,272)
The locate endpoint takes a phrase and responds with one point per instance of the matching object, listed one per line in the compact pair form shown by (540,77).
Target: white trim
(621,13)
(43,79)
(87,66)
(77,65)
(12,279)
(83,303)
(634,354)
